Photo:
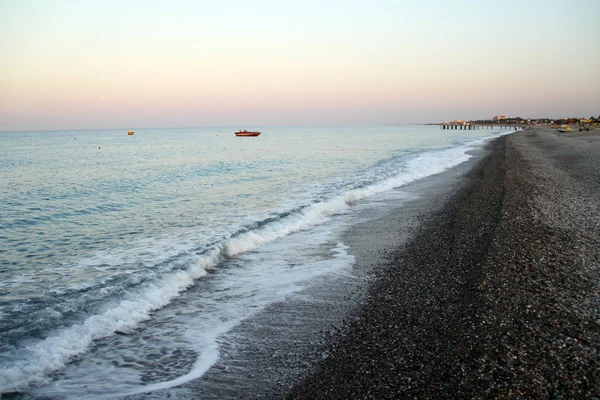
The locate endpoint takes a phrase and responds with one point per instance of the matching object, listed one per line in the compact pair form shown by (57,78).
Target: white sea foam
(32,364)
(284,284)
(209,358)
(35,361)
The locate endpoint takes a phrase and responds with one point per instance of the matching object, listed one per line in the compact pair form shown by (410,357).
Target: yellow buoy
(130,133)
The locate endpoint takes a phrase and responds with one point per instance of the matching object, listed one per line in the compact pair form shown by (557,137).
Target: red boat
(246,133)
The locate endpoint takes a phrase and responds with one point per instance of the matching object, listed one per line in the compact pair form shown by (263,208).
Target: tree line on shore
(533,121)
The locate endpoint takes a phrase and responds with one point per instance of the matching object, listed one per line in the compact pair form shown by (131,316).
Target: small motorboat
(564,129)
(246,133)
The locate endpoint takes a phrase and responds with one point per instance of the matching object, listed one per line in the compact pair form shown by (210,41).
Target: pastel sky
(130,64)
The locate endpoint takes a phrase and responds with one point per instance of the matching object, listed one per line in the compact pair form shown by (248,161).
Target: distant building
(499,117)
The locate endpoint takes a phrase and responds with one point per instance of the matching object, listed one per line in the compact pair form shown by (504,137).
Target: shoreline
(482,283)
(270,352)
(497,294)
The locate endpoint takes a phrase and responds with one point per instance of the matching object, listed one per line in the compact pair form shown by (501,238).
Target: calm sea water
(108,241)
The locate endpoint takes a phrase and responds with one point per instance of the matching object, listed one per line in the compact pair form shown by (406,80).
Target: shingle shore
(496,296)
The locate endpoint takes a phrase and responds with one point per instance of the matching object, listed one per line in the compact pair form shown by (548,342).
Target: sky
(87,64)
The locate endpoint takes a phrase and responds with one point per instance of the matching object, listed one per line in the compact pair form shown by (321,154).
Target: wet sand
(497,294)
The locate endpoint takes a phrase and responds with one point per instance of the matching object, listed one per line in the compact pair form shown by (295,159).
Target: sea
(125,259)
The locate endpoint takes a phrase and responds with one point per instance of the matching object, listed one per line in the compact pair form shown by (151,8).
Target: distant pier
(469,126)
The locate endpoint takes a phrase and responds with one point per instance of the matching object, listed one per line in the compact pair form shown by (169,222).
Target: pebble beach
(495,294)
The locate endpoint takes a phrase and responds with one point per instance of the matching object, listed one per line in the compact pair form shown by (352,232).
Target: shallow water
(125,258)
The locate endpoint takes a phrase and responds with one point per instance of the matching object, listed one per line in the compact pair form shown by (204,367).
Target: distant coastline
(504,120)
